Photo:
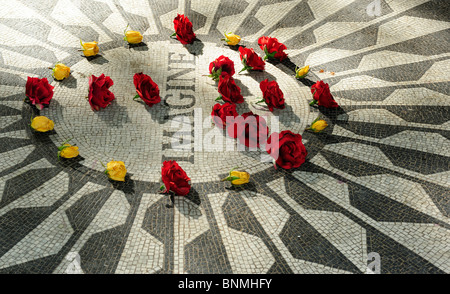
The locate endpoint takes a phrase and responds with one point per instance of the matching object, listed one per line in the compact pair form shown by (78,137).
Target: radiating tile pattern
(375,182)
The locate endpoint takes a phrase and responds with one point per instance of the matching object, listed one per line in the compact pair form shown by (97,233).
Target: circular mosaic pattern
(373,195)
(180,126)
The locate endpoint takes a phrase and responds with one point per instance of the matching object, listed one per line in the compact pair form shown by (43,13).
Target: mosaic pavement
(376,183)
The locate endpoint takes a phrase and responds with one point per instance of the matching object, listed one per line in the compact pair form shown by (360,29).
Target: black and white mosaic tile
(376,182)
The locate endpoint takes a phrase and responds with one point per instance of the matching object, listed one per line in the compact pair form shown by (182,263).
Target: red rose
(99,95)
(221,65)
(322,95)
(221,112)
(175,178)
(250,59)
(272,94)
(183,29)
(272,48)
(287,149)
(250,129)
(229,90)
(146,89)
(39,91)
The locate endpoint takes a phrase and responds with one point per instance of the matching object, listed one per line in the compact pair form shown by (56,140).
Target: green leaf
(218,98)
(61,148)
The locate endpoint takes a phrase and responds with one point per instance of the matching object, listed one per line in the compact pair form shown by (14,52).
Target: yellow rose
(232,39)
(133,37)
(237,177)
(90,48)
(116,170)
(61,71)
(301,72)
(42,124)
(242,177)
(68,151)
(318,125)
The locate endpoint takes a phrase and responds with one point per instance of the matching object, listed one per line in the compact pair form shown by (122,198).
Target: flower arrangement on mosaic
(231,39)
(174,178)
(237,178)
(183,29)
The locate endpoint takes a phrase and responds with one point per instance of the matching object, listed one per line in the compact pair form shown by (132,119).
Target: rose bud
(237,177)
(221,112)
(61,71)
(300,73)
(250,59)
(174,178)
(272,48)
(67,150)
(99,94)
(38,91)
(146,89)
(116,170)
(229,91)
(42,124)
(287,149)
(183,29)
(322,95)
(89,48)
(221,65)
(133,37)
(231,39)
(250,129)
(272,94)
(318,125)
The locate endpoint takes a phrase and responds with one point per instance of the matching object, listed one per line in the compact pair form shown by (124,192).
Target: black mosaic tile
(79,217)
(17,223)
(205,255)
(360,39)
(25,183)
(421,162)
(101,253)
(382,208)
(157,222)
(395,258)
(305,243)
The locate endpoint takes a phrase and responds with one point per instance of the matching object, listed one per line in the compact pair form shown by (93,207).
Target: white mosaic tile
(143,253)
(246,253)
(45,195)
